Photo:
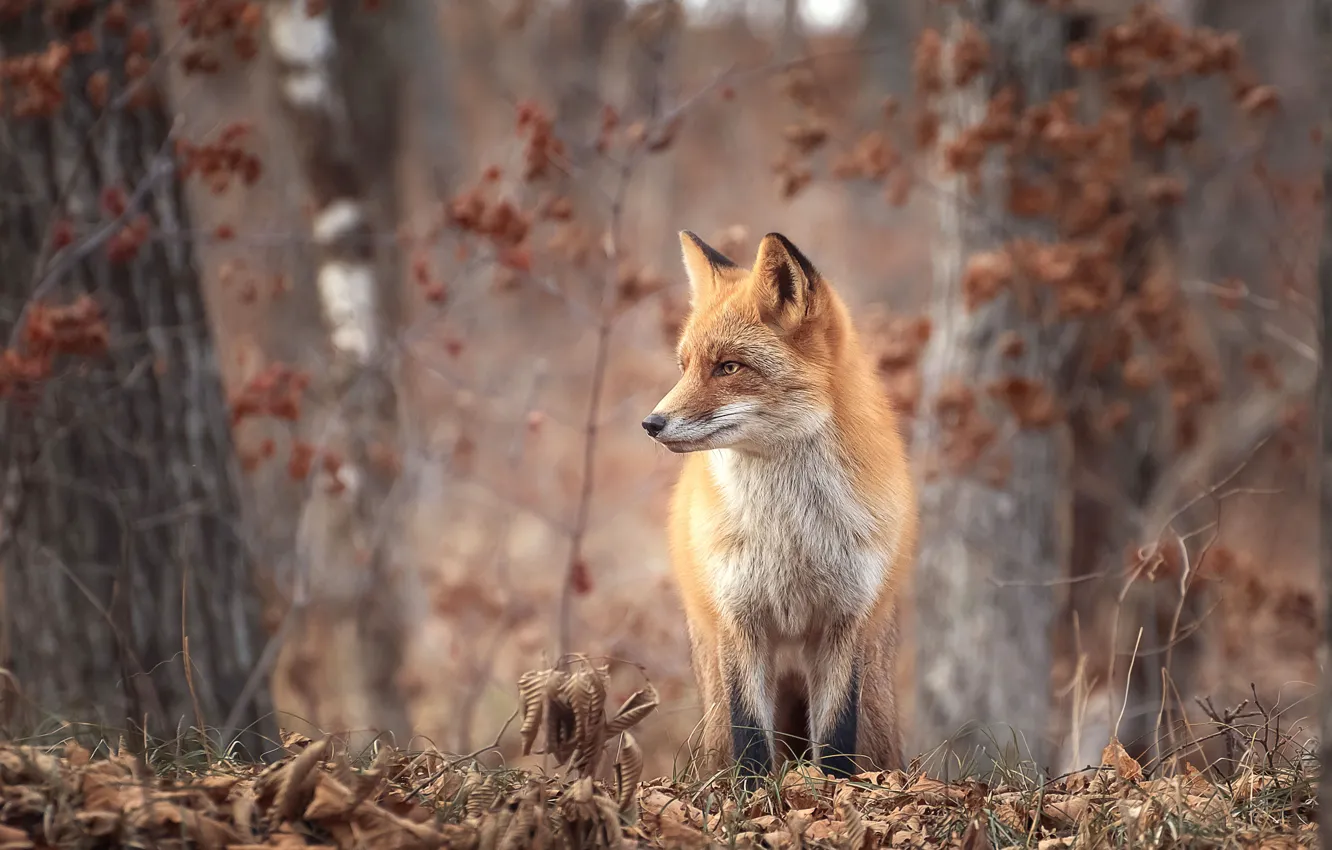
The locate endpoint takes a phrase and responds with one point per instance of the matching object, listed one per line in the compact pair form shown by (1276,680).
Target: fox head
(757,353)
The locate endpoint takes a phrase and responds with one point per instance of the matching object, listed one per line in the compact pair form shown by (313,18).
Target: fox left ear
(702,264)
(785,282)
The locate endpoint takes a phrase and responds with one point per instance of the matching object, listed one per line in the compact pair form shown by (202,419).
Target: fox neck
(792,460)
(804,486)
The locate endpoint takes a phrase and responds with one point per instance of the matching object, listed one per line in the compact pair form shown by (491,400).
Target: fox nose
(654,424)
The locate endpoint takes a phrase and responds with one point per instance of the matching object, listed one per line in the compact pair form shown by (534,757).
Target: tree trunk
(1115,474)
(121,545)
(339,84)
(886,36)
(991,552)
(1323,25)
(1325,502)
(792,31)
(593,24)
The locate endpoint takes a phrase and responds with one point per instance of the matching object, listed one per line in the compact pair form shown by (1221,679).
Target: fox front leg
(834,704)
(752,709)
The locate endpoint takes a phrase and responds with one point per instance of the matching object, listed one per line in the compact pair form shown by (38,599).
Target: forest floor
(68,796)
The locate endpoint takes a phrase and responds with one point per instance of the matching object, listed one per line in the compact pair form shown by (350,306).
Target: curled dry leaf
(332,799)
(639,705)
(532,692)
(560,720)
(628,772)
(1068,810)
(577,803)
(976,836)
(853,831)
(802,787)
(297,782)
(797,824)
(243,813)
(529,827)
(1126,767)
(589,819)
(294,742)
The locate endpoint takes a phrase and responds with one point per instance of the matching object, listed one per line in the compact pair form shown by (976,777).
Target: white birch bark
(347,524)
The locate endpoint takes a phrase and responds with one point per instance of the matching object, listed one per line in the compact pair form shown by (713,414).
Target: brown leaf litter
(314,797)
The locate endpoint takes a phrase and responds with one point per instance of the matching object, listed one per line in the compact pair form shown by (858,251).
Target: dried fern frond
(639,705)
(628,771)
(480,793)
(561,723)
(532,692)
(585,692)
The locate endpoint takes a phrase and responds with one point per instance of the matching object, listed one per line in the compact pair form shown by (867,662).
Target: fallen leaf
(1114,755)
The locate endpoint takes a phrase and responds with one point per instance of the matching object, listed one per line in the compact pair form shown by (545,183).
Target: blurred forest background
(328,326)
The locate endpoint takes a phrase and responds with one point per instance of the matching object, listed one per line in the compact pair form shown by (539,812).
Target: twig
(605,324)
(585,494)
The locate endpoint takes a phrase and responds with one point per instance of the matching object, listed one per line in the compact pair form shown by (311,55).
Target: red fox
(794,518)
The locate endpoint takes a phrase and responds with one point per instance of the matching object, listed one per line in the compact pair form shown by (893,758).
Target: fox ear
(785,282)
(702,262)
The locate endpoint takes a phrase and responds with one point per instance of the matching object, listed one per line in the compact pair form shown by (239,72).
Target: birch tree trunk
(122,552)
(339,88)
(990,553)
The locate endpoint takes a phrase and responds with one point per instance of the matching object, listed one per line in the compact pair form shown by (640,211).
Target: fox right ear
(702,262)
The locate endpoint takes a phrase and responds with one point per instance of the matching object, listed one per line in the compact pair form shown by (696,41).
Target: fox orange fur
(794,519)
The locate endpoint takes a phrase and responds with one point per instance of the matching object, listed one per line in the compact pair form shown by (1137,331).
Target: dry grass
(315,794)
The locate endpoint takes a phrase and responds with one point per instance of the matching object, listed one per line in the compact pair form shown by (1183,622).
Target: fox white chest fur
(795,549)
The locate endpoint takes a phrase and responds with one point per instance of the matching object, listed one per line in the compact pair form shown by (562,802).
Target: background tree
(1322,25)
(1072,375)
(341,85)
(1325,497)
(990,555)
(127,589)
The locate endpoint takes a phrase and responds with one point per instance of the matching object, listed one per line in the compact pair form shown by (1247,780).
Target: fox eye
(730,367)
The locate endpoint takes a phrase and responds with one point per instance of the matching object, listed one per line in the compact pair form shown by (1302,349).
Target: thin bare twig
(606,323)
